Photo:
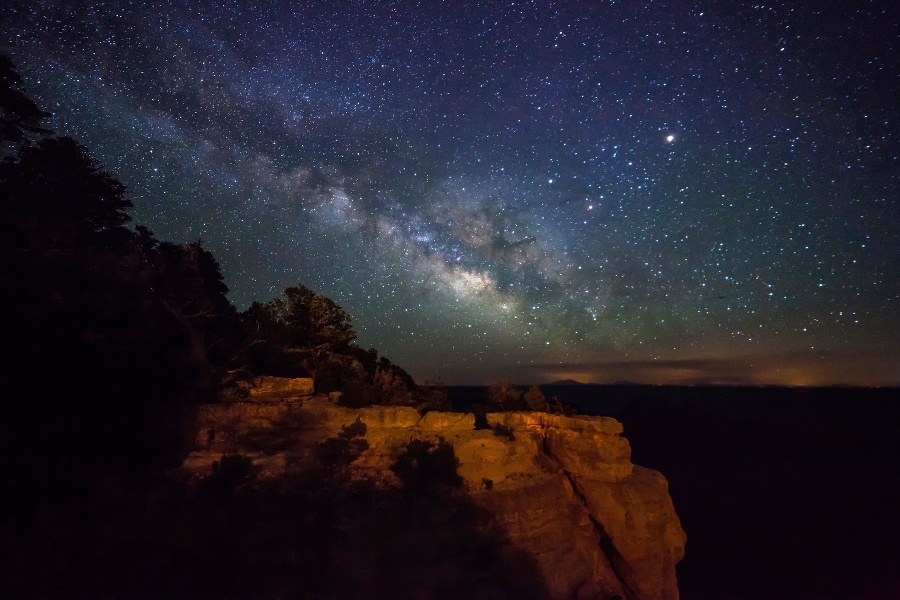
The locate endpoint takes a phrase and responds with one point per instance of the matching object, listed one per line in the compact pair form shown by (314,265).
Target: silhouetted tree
(188,283)
(57,198)
(331,326)
(535,399)
(303,319)
(20,115)
(556,407)
(133,327)
(305,333)
(505,396)
(432,395)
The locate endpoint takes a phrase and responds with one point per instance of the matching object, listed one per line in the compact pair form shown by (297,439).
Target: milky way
(659,192)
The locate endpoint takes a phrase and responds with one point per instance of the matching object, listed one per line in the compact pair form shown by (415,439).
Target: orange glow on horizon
(789,370)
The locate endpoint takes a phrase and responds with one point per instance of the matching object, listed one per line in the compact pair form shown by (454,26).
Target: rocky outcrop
(277,389)
(561,488)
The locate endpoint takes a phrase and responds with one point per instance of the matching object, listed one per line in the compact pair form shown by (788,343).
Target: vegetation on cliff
(305,333)
(112,338)
(139,330)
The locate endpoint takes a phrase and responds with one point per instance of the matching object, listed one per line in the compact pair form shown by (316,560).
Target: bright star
(670,138)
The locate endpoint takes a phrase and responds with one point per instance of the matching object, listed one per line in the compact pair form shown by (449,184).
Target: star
(442,161)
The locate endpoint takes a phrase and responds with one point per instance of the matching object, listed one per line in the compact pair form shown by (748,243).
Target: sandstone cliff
(562,489)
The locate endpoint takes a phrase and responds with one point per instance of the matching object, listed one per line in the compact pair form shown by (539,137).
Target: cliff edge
(562,489)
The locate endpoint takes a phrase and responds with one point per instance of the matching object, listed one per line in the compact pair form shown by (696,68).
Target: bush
(432,395)
(357,429)
(427,467)
(501,430)
(535,399)
(505,396)
(558,408)
(338,452)
(229,472)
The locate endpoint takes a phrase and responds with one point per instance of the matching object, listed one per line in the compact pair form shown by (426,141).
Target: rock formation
(561,488)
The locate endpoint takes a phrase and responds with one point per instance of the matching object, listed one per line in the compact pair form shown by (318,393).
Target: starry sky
(658,192)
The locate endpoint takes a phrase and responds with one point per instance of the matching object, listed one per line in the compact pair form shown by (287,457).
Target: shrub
(338,452)
(535,399)
(432,395)
(506,396)
(356,429)
(229,472)
(501,430)
(427,467)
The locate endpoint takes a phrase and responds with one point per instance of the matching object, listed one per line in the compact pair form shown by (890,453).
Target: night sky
(659,192)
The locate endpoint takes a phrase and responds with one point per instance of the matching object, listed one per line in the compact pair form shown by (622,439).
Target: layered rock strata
(562,488)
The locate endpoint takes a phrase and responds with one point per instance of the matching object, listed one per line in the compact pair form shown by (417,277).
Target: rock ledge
(563,487)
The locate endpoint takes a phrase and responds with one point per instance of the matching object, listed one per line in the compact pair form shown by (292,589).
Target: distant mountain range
(573,382)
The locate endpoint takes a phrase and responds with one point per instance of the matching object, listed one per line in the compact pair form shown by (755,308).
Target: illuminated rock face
(279,389)
(563,489)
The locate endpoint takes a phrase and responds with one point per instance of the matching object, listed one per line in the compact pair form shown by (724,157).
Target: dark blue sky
(652,191)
